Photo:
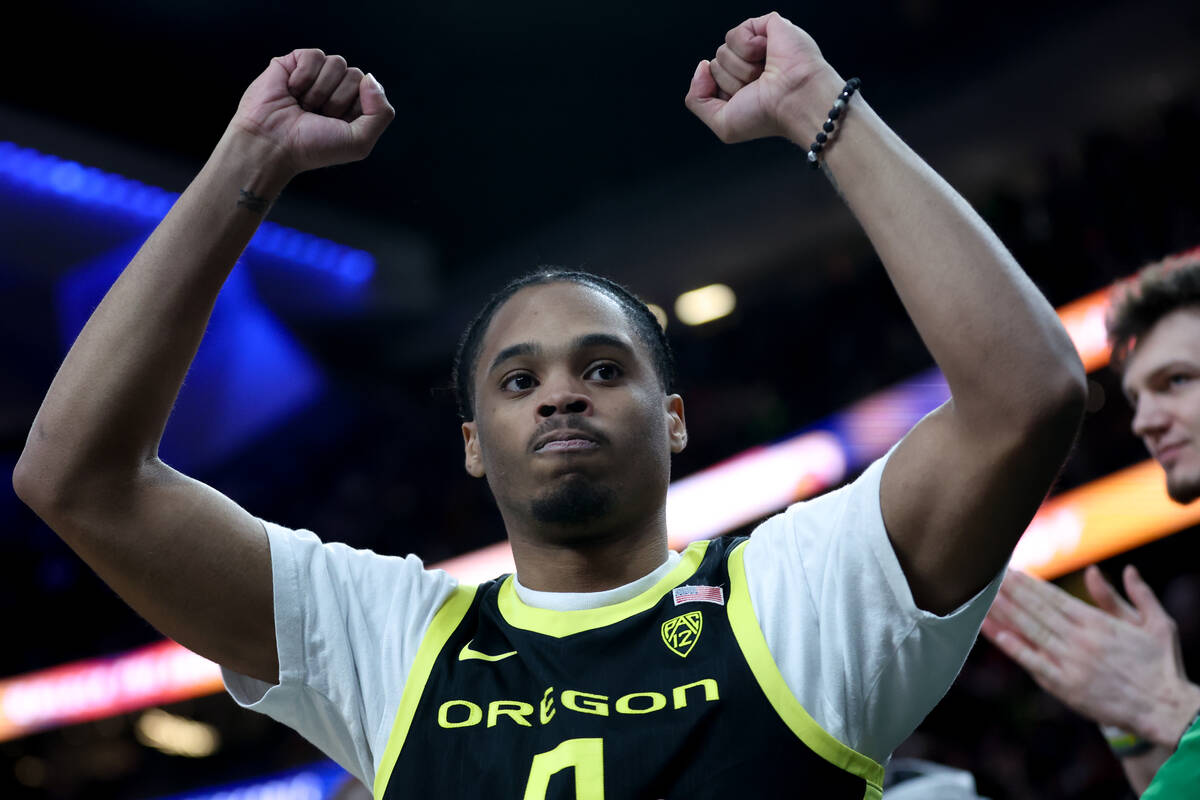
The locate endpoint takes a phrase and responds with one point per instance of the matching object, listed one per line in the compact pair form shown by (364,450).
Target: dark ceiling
(548,132)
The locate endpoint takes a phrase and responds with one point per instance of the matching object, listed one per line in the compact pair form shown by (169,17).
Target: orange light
(102,687)
(1101,519)
(1084,321)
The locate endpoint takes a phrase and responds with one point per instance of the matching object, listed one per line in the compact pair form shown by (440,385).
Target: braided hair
(645,325)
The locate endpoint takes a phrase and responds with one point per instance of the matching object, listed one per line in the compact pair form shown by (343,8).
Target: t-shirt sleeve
(347,627)
(841,623)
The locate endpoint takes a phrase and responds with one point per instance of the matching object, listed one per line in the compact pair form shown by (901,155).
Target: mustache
(575,422)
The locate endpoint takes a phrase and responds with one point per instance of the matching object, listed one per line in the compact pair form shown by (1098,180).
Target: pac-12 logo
(680,633)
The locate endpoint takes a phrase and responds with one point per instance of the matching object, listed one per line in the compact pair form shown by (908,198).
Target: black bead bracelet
(839,106)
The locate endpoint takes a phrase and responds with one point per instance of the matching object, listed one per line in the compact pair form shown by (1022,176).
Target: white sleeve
(347,627)
(840,621)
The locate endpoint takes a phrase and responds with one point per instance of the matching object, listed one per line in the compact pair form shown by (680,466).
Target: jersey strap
(445,621)
(753,645)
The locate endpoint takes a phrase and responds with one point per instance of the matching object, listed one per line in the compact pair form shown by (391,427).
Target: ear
(676,425)
(474,462)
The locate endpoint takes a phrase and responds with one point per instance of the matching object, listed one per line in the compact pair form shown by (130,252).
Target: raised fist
(762,81)
(315,110)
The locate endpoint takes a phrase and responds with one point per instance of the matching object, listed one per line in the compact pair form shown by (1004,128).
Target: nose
(564,399)
(1150,417)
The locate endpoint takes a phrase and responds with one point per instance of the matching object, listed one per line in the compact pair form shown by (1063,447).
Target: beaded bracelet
(839,105)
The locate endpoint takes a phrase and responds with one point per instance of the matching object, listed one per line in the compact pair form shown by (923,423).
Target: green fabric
(1179,777)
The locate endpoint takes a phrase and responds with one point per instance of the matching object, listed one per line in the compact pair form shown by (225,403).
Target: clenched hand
(767,78)
(314,110)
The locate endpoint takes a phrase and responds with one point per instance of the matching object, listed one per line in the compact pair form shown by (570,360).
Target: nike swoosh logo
(466,654)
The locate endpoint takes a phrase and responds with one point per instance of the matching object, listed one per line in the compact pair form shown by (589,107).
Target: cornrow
(644,323)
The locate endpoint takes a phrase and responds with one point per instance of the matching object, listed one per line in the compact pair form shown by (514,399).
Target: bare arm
(185,557)
(964,484)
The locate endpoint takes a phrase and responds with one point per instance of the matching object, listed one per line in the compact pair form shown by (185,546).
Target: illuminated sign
(101,687)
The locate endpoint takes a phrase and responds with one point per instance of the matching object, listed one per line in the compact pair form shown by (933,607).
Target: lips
(1169,452)
(567,440)
(567,445)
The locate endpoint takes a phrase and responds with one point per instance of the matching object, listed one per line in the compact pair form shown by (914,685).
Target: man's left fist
(766,80)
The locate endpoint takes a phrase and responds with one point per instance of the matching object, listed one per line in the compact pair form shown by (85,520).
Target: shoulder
(818,529)
(300,555)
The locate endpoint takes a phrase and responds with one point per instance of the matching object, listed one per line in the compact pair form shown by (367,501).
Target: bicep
(189,560)
(956,498)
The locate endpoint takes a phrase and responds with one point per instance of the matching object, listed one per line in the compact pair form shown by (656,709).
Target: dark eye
(520,382)
(603,372)
(1179,379)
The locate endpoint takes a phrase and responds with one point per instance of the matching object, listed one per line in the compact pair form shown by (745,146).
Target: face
(572,428)
(1162,382)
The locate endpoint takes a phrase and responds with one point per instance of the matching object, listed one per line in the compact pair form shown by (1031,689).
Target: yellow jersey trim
(565,623)
(445,621)
(754,647)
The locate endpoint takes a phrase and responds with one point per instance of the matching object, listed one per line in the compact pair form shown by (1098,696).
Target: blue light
(356,266)
(249,375)
(268,239)
(67,178)
(315,782)
(41,173)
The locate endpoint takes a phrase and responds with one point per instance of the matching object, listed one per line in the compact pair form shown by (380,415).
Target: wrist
(1174,715)
(1125,744)
(804,110)
(262,166)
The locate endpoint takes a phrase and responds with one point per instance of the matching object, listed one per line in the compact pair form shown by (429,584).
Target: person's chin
(1183,488)
(573,500)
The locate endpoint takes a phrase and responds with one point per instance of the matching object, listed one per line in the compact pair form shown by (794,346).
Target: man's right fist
(314,110)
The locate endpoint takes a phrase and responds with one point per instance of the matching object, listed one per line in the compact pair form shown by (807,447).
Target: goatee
(574,501)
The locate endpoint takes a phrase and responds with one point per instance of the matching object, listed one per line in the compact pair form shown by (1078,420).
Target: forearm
(995,337)
(105,411)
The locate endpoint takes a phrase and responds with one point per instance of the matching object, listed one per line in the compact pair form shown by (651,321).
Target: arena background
(545,135)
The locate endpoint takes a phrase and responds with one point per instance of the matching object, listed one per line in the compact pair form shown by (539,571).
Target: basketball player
(1121,665)
(607,666)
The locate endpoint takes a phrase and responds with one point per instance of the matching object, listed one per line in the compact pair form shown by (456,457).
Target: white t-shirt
(833,604)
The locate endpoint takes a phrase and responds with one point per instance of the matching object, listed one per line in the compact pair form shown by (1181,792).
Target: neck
(576,562)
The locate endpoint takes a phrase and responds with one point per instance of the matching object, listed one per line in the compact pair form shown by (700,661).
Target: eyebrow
(1157,373)
(584,342)
(523,349)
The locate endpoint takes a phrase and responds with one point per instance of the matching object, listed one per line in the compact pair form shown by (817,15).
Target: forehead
(553,314)
(1175,337)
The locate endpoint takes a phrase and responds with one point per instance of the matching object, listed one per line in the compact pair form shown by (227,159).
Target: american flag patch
(698,594)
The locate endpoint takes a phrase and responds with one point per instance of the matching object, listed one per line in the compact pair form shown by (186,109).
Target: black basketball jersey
(669,694)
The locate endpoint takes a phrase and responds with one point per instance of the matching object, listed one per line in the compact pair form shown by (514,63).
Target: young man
(1121,666)
(608,666)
